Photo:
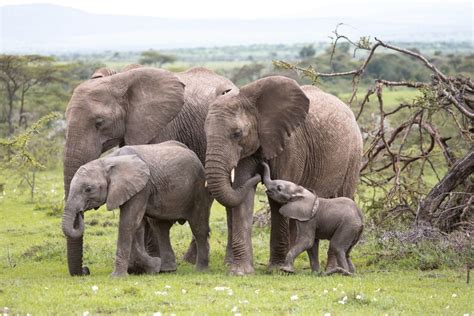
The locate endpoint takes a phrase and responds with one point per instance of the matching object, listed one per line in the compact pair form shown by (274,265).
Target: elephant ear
(127,175)
(103,72)
(152,98)
(300,209)
(282,106)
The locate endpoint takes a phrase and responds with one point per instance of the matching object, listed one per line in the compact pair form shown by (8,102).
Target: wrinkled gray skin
(137,106)
(163,181)
(308,136)
(338,220)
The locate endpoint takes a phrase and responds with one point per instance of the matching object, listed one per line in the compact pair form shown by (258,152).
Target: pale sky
(243,9)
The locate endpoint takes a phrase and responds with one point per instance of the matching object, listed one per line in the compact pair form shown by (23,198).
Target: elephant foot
(190,255)
(275,266)
(154,266)
(288,268)
(168,267)
(337,270)
(119,274)
(202,268)
(241,269)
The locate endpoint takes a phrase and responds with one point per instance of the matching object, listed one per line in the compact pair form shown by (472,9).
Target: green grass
(34,277)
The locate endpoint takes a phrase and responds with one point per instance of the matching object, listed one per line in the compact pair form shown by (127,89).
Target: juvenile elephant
(338,220)
(308,137)
(139,105)
(164,181)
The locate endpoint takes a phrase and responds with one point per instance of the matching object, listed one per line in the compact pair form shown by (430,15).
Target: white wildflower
(86,313)
(447,307)
(257,291)
(234,309)
(156,314)
(167,287)
(466,314)
(358,297)
(325,291)
(162,293)
(294,297)
(243,302)
(327,314)
(378,290)
(230,292)
(95,288)
(221,288)
(343,301)
(454,295)
(184,291)
(237,314)
(334,289)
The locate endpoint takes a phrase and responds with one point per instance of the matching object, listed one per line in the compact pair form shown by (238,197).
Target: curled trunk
(218,181)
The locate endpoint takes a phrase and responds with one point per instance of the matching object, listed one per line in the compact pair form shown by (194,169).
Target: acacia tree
(18,74)
(398,158)
(153,57)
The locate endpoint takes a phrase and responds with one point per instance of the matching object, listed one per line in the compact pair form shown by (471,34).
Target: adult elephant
(137,106)
(308,137)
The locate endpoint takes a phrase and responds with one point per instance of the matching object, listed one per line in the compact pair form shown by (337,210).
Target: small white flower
(358,297)
(454,295)
(374,299)
(46,288)
(294,297)
(343,301)
(244,302)
(156,314)
(95,288)
(162,293)
(237,314)
(327,314)
(377,290)
(230,292)
(184,291)
(167,287)
(86,313)
(257,291)
(325,291)
(221,288)
(447,307)
(334,289)
(466,314)
(172,314)
(234,309)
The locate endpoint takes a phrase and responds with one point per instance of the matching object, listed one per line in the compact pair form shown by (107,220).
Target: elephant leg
(191,253)
(140,260)
(202,240)
(131,216)
(168,259)
(313,254)
(332,260)
(229,258)
(350,264)
(151,240)
(242,252)
(301,244)
(279,236)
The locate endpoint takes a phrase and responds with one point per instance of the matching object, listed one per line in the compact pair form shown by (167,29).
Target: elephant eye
(237,134)
(88,189)
(99,122)
(279,187)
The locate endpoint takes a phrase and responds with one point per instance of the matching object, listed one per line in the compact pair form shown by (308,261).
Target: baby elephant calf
(164,182)
(338,220)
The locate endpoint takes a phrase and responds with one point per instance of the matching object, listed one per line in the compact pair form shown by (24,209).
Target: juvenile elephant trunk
(76,154)
(266,174)
(218,181)
(73,224)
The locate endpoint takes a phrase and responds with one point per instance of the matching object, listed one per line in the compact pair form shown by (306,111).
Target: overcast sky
(250,9)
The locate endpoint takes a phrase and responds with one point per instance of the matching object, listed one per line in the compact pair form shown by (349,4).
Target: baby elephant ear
(300,210)
(126,176)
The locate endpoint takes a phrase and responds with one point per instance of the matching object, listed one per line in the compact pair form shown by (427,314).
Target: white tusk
(232,176)
(205,184)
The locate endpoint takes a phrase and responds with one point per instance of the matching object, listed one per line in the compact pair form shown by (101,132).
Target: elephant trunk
(76,154)
(219,184)
(73,224)
(266,174)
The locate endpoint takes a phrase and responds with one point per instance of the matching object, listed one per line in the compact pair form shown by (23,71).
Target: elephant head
(130,108)
(258,117)
(111,180)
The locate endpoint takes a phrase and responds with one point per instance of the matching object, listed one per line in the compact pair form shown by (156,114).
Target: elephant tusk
(232,176)
(205,184)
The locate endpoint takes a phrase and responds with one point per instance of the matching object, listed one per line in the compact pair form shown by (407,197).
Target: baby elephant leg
(140,260)
(162,230)
(313,254)
(301,244)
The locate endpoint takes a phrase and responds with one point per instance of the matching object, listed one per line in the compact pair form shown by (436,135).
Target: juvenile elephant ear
(127,175)
(103,72)
(300,210)
(152,98)
(282,106)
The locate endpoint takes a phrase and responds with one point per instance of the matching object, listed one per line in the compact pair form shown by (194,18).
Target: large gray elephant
(308,137)
(137,106)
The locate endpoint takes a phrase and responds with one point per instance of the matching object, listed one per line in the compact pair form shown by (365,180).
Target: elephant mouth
(111,143)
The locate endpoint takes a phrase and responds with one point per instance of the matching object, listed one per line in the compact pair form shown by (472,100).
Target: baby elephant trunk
(266,174)
(73,224)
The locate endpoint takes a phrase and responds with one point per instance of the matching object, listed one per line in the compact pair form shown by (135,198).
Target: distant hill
(50,28)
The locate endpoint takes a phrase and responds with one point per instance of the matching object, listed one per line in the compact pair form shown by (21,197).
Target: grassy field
(34,277)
